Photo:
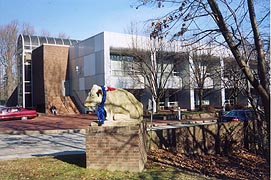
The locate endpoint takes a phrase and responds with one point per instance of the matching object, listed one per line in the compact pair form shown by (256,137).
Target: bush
(208,108)
(238,106)
(228,107)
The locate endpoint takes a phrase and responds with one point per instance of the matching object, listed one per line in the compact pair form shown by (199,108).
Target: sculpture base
(116,123)
(113,148)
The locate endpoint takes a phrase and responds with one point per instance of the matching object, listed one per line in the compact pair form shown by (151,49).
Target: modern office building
(103,58)
(63,71)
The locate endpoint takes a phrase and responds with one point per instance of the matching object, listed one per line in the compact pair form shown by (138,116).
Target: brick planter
(113,148)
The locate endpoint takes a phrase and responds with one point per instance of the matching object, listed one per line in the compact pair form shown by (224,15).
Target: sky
(78,19)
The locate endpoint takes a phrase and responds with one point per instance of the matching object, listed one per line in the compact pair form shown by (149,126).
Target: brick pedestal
(113,148)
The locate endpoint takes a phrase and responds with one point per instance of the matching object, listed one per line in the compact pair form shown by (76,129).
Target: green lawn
(73,167)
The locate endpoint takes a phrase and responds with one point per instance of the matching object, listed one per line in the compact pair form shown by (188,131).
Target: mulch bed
(242,165)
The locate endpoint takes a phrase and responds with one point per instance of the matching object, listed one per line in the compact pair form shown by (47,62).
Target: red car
(8,113)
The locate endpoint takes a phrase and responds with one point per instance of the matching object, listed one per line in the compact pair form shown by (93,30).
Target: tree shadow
(75,159)
(226,144)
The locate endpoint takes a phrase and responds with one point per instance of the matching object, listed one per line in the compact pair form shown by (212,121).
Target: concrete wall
(89,63)
(86,65)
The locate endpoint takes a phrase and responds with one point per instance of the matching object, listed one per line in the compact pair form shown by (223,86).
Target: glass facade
(123,65)
(25,45)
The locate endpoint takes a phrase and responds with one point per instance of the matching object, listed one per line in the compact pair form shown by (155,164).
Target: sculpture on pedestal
(114,104)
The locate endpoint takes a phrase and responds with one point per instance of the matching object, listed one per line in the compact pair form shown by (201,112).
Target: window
(26,40)
(51,40)
(123,65)
(43,40)
(59,41)
(35,41)
(66,42)
(27,72)
(115,57)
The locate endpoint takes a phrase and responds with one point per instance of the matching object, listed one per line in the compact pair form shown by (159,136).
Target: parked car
(237,115)
(2,107)
(9,113)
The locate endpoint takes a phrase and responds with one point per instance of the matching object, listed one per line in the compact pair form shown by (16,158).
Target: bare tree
(232,24)
(45,33)
(234,80)
(63,35)
(204,70)
(156,63)
(8,38)
(28,29)
(160,69)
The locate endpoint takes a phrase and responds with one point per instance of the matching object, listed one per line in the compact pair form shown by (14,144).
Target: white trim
(23,72)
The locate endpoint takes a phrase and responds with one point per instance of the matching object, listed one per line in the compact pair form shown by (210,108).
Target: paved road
(23,146)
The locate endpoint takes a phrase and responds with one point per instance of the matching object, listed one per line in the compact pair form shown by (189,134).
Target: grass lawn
(73,167)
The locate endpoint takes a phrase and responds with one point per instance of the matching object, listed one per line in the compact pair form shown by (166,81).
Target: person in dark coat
(53,110)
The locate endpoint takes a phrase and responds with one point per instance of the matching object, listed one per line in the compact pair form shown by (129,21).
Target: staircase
(64,105)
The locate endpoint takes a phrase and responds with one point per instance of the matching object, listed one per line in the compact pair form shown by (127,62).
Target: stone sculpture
(114,104)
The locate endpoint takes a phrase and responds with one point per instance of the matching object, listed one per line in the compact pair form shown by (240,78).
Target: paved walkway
(24,146)
(47,124)
(45,135)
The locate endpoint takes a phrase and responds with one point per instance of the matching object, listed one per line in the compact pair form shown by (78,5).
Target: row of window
(116,57)
(125,65)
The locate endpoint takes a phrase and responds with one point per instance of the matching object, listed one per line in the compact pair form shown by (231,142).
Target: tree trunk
(200,98)
(260,84)
(157,105)
(262,70)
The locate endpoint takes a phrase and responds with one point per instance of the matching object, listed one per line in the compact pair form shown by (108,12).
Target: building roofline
(31,37)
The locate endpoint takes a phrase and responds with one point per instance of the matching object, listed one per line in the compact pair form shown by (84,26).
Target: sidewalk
(44,136)
(25,146)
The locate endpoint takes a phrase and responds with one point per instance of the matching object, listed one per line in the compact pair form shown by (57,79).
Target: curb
(37,132)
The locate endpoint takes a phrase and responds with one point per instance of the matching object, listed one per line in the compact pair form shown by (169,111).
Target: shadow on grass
(75,159)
